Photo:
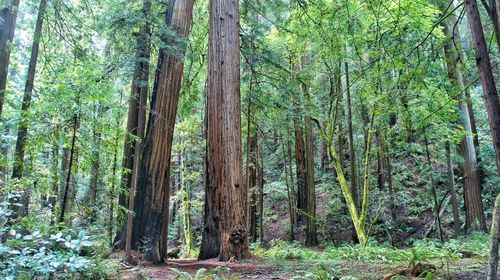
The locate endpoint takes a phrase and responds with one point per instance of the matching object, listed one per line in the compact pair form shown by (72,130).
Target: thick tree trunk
(224,128)
(210,242)
(490,94)
(472,178)
(8,15)
(153,178)
(140,86)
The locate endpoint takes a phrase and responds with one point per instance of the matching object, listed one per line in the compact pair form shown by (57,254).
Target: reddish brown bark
(472,178)
(490,94)
(151,202)
(140,88)
(224,152)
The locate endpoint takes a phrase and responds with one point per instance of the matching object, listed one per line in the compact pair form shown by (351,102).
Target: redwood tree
(224,149)
(151,203)
(140,86)
(490,94)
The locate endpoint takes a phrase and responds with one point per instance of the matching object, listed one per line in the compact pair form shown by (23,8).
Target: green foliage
(31,254)
(422,251)
(320,273)
(218,273)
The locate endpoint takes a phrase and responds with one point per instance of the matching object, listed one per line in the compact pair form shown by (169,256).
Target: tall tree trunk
(260,182)
(224,128)
(495,238)
(472,176)
(8,15)
(352,153)
(22,131)
(452,190)
(491,9)
(153,178)
(311,234)
(186,203)
(490,94)
(289,189)
(69,191)
(433,190)
(252,184)
(140,86)
(18,164)
(4,155)
(210,242)
(111,220)
(300,166)
(54,170)
(96,161)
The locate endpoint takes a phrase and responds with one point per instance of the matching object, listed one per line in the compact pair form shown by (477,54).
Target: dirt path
(280,270)
(228,270)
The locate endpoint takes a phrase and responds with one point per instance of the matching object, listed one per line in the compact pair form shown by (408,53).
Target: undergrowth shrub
(26,253)
(427,250)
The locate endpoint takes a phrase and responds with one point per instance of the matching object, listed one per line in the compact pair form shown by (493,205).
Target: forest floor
(469,268)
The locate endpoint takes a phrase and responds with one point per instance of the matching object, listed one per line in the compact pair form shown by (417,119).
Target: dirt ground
(466,269)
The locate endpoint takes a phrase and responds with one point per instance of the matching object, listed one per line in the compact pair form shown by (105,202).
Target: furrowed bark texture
(224,128)
(151,204)
(490,94)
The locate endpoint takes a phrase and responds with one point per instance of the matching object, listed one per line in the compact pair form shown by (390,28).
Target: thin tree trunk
(55,178)
(153,175)
(111,219)
(186,203)
(96,161)
(224,128)
(9,17)
(300,167)
(311,234)
(260,181)
(491,9)
(289,192)
(22,131)
(18,164)
(433,190)
(490,94)
(452,190)
(495,237)
(252,183)
(352,153)
(69,191)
